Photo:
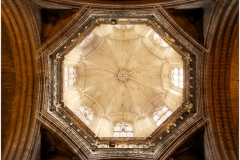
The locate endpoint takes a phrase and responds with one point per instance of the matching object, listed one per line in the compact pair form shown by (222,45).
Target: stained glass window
(123,130)
(69,76)
(161,114)
(87,40)
(159,40)
(84,114)
(177,77)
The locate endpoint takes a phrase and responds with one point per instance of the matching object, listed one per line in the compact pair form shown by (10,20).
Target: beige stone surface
(121,72)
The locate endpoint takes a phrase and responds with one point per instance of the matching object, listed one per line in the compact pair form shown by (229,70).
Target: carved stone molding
(181,120)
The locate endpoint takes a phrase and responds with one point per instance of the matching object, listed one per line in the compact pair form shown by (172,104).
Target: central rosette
(123,75)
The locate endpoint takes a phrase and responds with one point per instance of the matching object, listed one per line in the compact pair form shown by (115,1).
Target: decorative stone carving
(188,58)
(123,75)
(81,131)
(59,105)
(52,108)
(58,56)
(189,106)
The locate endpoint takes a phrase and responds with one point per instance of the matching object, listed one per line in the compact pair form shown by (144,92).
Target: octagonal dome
(122,75)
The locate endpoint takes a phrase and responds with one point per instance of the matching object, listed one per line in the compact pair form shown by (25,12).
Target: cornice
(35,78)
(160,139)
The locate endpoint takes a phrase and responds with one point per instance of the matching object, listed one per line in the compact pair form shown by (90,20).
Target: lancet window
(161,114)
(85,114)
(69,76)
(87,40)
(123,26)
(177,77)
(159,40)
(123,130)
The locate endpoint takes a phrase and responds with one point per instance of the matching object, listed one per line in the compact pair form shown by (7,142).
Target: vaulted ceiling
(121,72)
(41,37)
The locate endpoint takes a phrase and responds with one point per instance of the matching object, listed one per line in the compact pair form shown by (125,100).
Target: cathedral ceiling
(120,73)
(42,37)
(118,81)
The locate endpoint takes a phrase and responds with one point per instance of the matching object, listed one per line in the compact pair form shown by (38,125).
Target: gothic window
(123,26)
(177,77)
(87,40)
(159,40)
(69,76)
(123,130)
(85,114)
(161,114)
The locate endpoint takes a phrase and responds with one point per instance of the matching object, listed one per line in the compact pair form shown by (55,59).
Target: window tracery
(69,76)
(177,77)
(161,114)
(123,130)
(87,40)
(84,114)
(159,40)
(123,26)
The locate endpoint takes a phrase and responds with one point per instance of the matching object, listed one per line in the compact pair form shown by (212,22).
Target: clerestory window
(177,77)
(159,40)
(161,114)
(85,114)
(69,76)
(123,130)
(87,40)
(123,26)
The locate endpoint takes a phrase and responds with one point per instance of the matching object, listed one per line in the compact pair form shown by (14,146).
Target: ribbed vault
(120,72)
(43,36)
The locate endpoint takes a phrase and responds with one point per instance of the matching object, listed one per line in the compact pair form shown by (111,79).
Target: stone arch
(23,125)
(218,88)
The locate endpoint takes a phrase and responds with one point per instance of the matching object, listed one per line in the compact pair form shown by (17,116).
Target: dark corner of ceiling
(50,20)
(190,20)
(192,149)
(53,20)
(53,147)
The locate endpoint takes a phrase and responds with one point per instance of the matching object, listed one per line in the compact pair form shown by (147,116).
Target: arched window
(123,130)
(161,114)
(85,114)
(177,77)
(87,40)
(123,26)
(159,40)
(69,76)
